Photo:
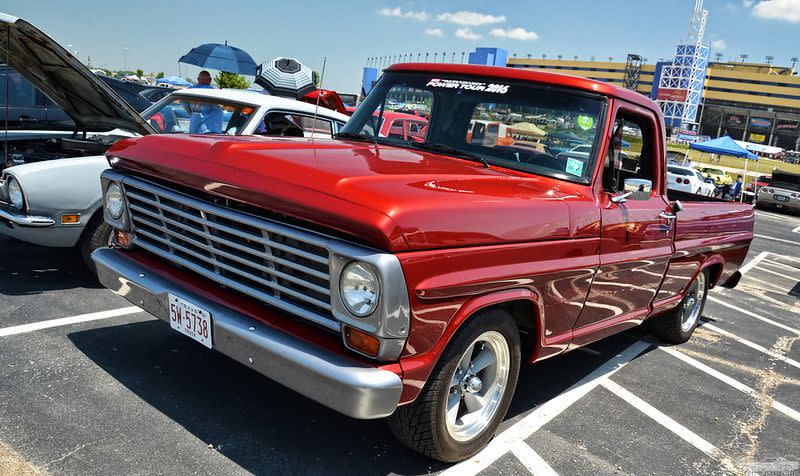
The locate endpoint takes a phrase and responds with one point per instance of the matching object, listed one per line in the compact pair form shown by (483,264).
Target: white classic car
(687,179)
(57,202)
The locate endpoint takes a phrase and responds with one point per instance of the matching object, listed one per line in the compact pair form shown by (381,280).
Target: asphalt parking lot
(90,385)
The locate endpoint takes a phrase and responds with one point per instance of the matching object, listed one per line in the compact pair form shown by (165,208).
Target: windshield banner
(468,85)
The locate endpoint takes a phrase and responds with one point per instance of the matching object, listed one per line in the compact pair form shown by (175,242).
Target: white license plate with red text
(190,319)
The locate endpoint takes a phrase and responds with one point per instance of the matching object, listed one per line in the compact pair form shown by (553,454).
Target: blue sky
(156,34)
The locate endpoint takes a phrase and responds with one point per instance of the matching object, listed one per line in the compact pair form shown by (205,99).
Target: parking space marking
(753,315)
(790,278)
(777,239)
(65,321)
(750,264)
(775,215)
(769,262)
(531,459)
(544,413)
(684,433)
(791,413)
(796,230)
(751,344)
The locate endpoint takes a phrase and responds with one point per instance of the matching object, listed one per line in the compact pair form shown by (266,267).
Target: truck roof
(518,74)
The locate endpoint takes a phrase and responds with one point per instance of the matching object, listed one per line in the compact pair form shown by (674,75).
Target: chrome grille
(283,266)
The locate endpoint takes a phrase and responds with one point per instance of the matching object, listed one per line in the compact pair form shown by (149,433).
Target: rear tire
(96,235)
(461,406)
(677,326)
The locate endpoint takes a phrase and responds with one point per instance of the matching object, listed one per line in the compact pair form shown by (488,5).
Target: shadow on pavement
(30,269)
(268,429)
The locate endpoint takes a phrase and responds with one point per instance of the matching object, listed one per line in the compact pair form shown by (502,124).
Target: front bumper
(9,215)
(334,380)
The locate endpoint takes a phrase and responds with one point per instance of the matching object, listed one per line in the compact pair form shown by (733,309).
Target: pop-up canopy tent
(723,146)
(726,146)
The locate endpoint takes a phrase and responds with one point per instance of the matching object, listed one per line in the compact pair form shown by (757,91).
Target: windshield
(522,126)
(180,114)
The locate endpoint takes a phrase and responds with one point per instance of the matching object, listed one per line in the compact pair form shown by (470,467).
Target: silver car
(782,192)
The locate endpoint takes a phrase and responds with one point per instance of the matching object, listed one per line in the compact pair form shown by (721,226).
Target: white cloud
(515,34)
(748,3)
(786,10)
(397,12)
(467,34)
(718,45)
(435,32)
(470,18)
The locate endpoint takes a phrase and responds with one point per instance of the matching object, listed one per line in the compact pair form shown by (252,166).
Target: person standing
(206,118)
(203,81)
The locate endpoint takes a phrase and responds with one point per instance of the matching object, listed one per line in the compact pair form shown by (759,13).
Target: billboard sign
(787,126)
(758,138)
(734,120)
(667,94)
(760,122)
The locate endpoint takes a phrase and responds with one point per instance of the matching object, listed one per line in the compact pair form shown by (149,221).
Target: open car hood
(92,104)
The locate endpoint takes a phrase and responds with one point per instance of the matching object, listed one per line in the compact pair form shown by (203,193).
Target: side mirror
(641,188)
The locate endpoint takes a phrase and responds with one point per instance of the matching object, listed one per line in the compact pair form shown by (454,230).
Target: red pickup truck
(392,277)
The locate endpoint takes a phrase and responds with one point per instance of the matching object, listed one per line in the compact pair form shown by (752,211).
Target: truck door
(636,233)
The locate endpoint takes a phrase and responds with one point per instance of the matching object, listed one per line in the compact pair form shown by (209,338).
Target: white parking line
(65,321)
(777,239)
(544,413)
(753,315)
(791,413)
(665,421)
(770,262)
(531,459)
(750,264)
(751,344)
(767,270)
(796,230)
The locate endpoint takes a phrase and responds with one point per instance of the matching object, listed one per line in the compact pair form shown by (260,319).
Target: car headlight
(360,289)
(115,204)
(15,194)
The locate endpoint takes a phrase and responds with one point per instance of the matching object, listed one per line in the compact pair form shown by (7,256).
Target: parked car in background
(392,277)
(687,179)
(783,192)
(58,202)
(718,176)
(760,181)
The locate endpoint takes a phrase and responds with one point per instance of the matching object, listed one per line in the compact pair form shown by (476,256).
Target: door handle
(667,216)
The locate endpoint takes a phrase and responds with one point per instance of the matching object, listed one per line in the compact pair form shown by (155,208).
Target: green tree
(226,80)
(160,75)
(140,72)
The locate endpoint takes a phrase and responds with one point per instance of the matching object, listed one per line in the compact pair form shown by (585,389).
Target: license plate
(190,319)
(781,198)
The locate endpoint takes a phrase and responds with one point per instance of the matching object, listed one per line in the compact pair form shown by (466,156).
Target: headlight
(15,194)
(360,289)
(115,204)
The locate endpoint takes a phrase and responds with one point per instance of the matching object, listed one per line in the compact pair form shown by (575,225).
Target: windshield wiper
(450,150)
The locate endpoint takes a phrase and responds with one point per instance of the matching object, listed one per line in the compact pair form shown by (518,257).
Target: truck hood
(394,198)
(86,99)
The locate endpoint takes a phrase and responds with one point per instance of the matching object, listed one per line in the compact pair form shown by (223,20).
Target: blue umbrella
(222,58)
(173,80)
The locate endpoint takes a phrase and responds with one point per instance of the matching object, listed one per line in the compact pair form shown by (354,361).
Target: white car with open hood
(58,202)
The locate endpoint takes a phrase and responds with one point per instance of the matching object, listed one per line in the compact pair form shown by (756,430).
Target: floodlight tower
(680,88)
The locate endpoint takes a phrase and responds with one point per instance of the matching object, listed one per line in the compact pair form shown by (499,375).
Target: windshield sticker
(585,122)
(574,167)
(468,85)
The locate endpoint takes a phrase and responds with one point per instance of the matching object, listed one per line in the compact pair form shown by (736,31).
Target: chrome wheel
(693,302)
(477,386)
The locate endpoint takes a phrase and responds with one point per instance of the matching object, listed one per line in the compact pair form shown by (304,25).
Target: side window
(629,164)
(311,127)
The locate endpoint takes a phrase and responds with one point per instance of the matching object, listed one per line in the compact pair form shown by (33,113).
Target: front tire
(96,235)
(468,392)
(677,326)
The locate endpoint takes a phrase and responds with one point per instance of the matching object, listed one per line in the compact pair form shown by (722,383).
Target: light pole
(744,56)
(793,59)
(718,56)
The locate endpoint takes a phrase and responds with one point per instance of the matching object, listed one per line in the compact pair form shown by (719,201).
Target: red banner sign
(672,94)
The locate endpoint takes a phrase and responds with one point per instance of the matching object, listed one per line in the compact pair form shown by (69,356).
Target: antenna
(316,108)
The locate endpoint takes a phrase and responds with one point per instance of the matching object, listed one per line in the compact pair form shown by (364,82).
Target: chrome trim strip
(343,384)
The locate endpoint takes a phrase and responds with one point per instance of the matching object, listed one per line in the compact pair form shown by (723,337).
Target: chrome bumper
(336,381)
(24,220)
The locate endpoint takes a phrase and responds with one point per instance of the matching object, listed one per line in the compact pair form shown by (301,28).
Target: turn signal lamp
(361,341)
(122,239)
(70,218)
